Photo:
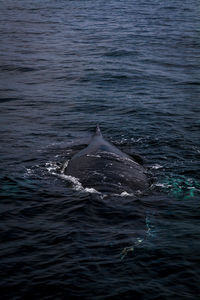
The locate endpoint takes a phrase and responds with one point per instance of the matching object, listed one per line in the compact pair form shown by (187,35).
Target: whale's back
(104,167)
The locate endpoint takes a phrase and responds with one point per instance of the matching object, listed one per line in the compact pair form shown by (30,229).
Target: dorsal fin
(98,130)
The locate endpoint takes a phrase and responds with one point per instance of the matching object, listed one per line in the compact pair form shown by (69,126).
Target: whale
(107,169)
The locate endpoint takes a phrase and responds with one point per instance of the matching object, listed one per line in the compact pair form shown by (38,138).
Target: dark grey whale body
(106,168)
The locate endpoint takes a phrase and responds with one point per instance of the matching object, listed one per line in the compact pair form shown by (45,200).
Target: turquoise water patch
(181,186)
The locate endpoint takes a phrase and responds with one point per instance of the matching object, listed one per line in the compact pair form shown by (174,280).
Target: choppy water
(133,67)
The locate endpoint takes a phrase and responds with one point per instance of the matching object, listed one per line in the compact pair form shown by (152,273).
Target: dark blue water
(133,67)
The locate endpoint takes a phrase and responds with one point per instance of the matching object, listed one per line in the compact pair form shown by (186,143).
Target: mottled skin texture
(104,167)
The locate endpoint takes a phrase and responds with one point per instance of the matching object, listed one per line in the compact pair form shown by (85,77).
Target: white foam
(92,191)
(156,167)
(139,240)
(29,171)
(51,166)
(76,183)
(163,185)
(124,194)
(64,166)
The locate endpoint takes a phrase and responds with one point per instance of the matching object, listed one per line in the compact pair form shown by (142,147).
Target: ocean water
(133,67)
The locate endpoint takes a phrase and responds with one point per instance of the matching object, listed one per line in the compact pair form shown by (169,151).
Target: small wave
(9,99)
(17,68)
(117,53)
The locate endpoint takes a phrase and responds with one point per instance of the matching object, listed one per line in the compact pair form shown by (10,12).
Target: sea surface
(133,67)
